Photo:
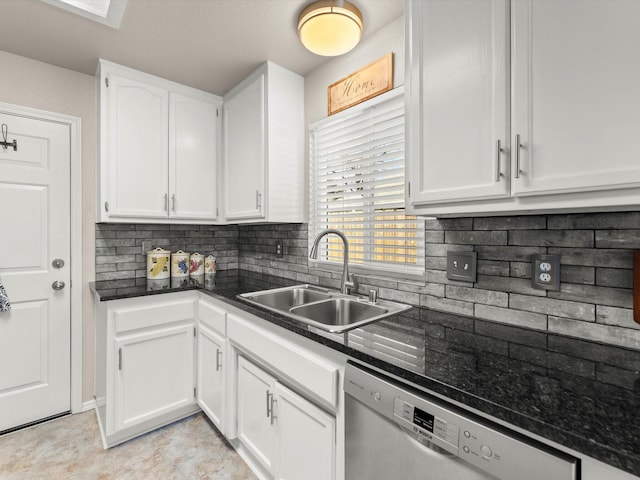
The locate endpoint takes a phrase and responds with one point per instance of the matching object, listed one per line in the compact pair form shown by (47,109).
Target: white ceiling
(208,44)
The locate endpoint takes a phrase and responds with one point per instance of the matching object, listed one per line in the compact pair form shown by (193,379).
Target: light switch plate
(461,266)
(545,272)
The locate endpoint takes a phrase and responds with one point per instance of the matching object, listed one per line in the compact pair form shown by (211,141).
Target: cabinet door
(255,402)
(154,374)
(576,102)
(458,108)
(306,438)
(192,158)
(137,148)
(211,375)
(245,154)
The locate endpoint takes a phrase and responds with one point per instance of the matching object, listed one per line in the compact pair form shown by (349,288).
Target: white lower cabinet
(145,364)
(211,367)
(155,374)
(291,437)
(305,439)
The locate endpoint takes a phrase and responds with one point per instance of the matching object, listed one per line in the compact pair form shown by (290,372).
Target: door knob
(57,285)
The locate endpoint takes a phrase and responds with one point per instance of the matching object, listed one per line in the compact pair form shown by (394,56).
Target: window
(357,186)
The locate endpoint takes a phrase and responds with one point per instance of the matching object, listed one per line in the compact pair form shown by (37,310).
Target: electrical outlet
(279,248)
(146,246)
(545,272)
(462,266)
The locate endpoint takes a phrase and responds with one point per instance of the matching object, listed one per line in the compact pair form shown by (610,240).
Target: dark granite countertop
(580,394)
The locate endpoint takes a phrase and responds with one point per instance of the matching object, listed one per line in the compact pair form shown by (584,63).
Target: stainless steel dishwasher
(394,431)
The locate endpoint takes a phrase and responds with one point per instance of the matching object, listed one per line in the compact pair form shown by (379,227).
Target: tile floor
(70,448)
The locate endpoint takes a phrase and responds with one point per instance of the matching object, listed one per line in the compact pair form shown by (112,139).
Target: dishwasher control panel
(426,426)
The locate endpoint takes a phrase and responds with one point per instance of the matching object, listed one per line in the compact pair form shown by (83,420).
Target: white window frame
(392,102)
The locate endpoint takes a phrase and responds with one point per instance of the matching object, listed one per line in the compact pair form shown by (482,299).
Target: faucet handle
(373,296)
(348,286)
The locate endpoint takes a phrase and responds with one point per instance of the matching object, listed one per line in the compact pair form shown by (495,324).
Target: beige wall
(388,39)
(39,85)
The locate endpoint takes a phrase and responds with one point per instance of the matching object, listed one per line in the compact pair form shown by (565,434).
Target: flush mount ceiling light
(330,27)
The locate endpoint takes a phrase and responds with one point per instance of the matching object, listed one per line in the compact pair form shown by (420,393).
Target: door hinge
(106,82)
(194,331)
(119,359)
(217,213)
(106,206)
(195,393)
(217,113)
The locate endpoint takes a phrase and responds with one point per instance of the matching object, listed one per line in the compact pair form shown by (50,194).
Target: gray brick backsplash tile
(617,239)
(574,274)
(434,236)
(476,237)
(595,221)
(510,223)
(550,306)
(595,251)
(476,295)
(492,267)
(552,238)
(621,317)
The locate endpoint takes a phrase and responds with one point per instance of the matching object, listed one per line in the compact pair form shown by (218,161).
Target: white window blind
(357,186)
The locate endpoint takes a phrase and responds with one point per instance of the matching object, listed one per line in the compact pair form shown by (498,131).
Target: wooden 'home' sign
(366,83)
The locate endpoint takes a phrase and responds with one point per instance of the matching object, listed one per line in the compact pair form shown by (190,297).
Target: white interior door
(35,354)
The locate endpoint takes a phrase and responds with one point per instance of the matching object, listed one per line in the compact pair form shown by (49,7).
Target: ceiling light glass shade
(330,27)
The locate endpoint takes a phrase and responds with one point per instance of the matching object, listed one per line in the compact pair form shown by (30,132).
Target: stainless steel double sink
(323,308)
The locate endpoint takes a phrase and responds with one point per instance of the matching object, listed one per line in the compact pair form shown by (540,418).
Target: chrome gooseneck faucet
(346,283)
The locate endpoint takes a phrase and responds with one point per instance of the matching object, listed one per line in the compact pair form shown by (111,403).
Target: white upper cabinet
(576,98)
(158,149)
(192,157)
(564,106)
(459,100)
(263,131)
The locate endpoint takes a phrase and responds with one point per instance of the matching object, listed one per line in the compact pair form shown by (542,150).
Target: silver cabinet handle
(166,202)
(218,356)
(173,202)
(273,415)
(517,173)
(498,158)
(258,200)
(57,285)
(269,403)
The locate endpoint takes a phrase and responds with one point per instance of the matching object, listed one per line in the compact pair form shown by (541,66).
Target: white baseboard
(89,405)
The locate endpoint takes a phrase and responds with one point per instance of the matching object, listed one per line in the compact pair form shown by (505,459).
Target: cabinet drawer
(213,317)
(301,366)
(142,315)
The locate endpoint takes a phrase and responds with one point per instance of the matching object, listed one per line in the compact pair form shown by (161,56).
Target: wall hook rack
(4,142)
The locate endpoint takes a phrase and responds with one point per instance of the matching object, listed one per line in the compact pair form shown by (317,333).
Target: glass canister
(179,264)
(196,264)
(210,264)
(158,264)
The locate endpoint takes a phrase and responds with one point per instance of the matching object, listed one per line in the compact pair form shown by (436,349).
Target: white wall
(388,39)
(39,85)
